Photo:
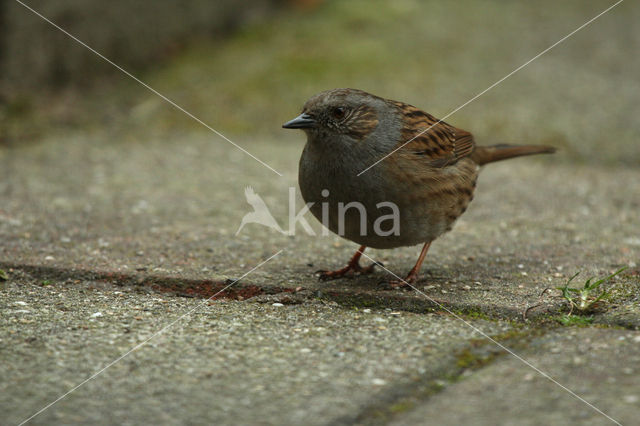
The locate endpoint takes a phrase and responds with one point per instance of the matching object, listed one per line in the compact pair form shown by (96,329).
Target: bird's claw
(348,271)
(400,284)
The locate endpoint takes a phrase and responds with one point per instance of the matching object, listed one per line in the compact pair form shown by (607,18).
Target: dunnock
(430,180)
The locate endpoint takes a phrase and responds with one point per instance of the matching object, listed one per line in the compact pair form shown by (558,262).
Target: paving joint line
(428,385)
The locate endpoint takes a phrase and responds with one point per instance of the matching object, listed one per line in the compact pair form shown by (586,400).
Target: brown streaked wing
(441,145)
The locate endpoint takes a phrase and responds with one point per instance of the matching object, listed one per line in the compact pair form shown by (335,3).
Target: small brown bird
(417,192)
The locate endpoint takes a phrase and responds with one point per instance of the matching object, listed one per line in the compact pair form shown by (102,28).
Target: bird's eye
(338,113)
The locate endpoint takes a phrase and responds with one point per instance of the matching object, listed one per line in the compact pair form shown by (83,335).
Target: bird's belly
(382,226)
(374,216)
(373,210)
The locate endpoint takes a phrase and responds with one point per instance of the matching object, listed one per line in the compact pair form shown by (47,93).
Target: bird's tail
(489,154)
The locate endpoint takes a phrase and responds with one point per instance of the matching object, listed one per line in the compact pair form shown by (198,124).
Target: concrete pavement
(105,243)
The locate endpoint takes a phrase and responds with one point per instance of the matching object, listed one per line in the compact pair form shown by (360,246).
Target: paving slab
(226,362)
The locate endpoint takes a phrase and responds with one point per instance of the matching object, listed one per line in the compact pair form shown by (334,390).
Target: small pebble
(277,304)
(634,241)
(96,315)
(378,382)
(631,399)
(49,258)
(366,311)
(21,303)
(305,350)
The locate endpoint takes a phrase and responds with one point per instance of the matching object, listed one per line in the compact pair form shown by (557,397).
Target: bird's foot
(349,271)
(406,284)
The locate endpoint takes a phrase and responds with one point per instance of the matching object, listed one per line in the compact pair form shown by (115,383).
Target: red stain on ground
(208,289)
(189,287)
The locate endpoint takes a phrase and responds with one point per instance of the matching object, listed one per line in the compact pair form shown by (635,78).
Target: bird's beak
(303,121)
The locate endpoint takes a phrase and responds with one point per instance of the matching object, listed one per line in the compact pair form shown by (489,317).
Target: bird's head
(339,114)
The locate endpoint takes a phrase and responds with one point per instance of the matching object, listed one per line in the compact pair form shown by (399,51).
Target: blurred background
(246,67)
